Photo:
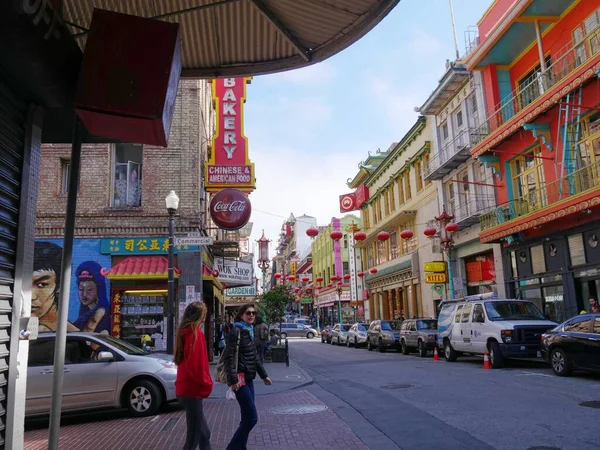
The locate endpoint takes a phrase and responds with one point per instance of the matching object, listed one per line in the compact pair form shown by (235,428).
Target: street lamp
(263,258)
(172,202)
(446,227)
(339,288)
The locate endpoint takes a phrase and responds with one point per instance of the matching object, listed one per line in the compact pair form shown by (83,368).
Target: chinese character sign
(140,246)
(115,319)
(229,165)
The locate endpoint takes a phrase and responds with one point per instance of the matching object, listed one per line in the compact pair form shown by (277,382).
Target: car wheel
(348,342)
(560,363)
(369,346)
(496,358)
(449,353)
(338,340)
(283,335)
(422,349)
(322,339)
(355,343)
(405,350)
(142,398)
(310,335)
(381,346)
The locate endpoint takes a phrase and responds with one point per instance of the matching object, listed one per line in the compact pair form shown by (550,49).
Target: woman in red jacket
(193,381)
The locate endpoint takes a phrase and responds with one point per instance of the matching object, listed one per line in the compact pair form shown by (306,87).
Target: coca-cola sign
(230,209)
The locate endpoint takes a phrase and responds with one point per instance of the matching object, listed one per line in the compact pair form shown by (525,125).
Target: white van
(505,328)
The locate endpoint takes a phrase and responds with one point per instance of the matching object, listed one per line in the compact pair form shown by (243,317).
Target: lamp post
(339,289)
(446,227)
(263,258)
(172,202)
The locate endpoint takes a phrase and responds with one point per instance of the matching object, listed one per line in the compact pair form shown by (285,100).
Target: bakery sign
(229,165)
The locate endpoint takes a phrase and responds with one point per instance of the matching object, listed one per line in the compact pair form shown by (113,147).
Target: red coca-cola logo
(230,209)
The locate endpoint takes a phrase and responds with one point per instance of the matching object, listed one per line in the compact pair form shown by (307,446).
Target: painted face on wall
(88,293)
(43,290)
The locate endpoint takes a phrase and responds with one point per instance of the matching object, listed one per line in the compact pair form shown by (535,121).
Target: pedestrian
(594,307)
(241,373)
(193,382)
(261,337)
(221,333)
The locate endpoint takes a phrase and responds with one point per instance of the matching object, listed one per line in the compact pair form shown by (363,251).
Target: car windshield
(363,327)
(426,324)
(346,327)
(513,310)
(390,325)
(123,346)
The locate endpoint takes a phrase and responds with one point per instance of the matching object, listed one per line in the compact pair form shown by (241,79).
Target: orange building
(540,61)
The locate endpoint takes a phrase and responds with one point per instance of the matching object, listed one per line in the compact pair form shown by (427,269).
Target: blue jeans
(245,397)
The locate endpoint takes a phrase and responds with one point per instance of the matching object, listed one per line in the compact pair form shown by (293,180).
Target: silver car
(339,334)
(357,336)
(296,330)
(100,372)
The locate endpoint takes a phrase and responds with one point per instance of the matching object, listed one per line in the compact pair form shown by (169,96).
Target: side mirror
(105,356)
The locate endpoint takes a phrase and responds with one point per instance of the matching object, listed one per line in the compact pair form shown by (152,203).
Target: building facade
(540,62)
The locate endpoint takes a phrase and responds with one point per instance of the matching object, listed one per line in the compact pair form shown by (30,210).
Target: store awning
(247,37)
(140,268)
(209,275)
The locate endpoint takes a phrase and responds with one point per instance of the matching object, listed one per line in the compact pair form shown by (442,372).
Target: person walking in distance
(193,382)
(261,336)
(241,372)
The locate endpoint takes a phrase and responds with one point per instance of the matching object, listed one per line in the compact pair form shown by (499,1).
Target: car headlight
(167,364)
(388,335)
(431,337)
(361,334)
(507,336)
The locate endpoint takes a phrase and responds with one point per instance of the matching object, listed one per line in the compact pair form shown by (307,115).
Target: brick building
(121,234)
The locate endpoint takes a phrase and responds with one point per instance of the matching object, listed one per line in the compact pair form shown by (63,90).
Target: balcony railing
(578,182)
(565,61)
(468,212)
(450,156)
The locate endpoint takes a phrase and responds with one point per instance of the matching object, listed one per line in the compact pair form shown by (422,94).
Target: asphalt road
(394,401)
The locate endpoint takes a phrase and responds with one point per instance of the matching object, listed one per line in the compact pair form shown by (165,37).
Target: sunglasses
(250,313)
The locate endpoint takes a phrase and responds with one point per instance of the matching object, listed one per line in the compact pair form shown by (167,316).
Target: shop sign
(434,278)
(306,300)
(235,272)
(229,165)
(115,316)
(140,246)
(230,209)
(348,202)
(481,268)
(435,266)
(332,297)
(242,291)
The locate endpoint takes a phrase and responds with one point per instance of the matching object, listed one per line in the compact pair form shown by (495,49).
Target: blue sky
(308,129)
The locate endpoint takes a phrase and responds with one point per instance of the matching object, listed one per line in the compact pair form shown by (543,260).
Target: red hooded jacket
(193,374)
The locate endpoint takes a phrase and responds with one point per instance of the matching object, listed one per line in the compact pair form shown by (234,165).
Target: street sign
(194,234)
(204,240)
(434,278)
(435,266)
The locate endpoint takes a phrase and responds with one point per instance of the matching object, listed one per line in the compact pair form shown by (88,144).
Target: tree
(272,304)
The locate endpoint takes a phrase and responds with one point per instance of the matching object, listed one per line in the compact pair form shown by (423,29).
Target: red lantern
(334,278)
(336,235)
(430,231)
(319,279)
(452,227)
(383,236)
(339,283)
(312,232)
(406,234)
(297,300)
(305,279)
(347,277)
(291,278)
(360,236)
(297,290)
(373,271)
(360,274)
(309,288)
(277,276)
(330,285)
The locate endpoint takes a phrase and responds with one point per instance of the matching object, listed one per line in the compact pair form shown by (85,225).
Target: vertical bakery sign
(229,165)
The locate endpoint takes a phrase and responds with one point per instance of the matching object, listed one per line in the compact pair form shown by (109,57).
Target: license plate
(539,354)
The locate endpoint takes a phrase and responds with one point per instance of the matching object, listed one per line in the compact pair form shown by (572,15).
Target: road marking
(155,418)
(535,374)
(292,376)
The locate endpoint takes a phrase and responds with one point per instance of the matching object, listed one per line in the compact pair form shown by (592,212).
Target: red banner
(229,165)
(361,194)
(347,203)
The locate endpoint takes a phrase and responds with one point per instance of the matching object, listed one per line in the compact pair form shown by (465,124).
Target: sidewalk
(291,429)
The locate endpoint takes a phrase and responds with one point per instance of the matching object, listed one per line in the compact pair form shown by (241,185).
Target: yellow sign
(435,266)
(293,268)
(434,278)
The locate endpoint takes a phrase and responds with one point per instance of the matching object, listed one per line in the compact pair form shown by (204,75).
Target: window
(596,329)
(589,149)
(528,181)
(65,175)
(579,325)
(366,217)
(127,189)
(392,198)
(419,175)
(386,201)
(445,131)
(587,40)
(394,245)
(451,199)
(407,185)
(466,313)
(400,182)
(473,111)
(458,314)
(345,267)
(478,314)
(463,188)
(370,256)
(41,353)
(532,85)
(426,167)
(345,241)
(459,119)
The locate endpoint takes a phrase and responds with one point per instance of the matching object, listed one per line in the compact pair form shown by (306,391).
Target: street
(394,401)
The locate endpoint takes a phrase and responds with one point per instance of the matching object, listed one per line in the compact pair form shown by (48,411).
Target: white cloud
(317,74)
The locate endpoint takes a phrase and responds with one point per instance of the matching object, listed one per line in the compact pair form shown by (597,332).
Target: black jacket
(248,360)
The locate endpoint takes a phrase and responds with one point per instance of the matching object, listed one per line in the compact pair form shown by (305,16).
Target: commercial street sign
(435,266)
(434,278)
(202,240)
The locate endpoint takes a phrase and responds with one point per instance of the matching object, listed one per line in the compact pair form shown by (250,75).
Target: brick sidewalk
(319,430)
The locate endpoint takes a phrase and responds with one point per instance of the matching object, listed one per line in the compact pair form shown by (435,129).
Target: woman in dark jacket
(242,379)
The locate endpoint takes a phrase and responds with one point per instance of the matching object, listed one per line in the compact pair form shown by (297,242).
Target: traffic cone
(486,361)
(436,357)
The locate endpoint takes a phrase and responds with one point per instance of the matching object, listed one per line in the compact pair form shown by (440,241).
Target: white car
(357,336)
(100,372)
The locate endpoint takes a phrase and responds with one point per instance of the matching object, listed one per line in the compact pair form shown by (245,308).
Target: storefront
(480,273)
(328,302)
(558,272)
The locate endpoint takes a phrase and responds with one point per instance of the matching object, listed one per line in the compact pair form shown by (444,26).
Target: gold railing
(585,179)
(565,61)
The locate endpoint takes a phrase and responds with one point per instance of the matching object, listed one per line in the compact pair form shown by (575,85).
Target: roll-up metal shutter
(13,117)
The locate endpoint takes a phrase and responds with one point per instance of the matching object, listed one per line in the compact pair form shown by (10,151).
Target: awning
(247,37)
(140,268)
(208,275)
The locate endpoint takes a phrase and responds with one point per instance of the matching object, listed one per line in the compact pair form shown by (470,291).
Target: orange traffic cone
(436,357)
(486,361)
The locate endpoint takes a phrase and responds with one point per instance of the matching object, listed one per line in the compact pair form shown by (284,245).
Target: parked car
(325,334)
(419,335)
(100,372)
(357,336)
(297,330)
(339,333)
(384,334)
(573,345)
(505,328)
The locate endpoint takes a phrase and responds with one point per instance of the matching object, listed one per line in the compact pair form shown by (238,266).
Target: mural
(89,308)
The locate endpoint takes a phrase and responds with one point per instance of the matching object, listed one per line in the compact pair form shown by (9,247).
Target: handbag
(221,375)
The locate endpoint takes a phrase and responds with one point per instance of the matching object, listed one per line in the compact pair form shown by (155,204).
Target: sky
(308,129)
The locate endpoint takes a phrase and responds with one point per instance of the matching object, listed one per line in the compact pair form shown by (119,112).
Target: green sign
(306,300)
(140,246)
(243,291)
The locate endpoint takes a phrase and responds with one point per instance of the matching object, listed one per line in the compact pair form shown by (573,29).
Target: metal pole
(451,280)
(171,282)
(454,30)
(60,342)
(340,305)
